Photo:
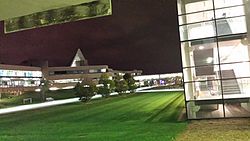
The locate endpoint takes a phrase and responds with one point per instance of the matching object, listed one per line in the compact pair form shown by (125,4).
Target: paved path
(162,90)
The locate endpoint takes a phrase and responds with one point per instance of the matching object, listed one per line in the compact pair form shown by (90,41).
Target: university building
(17,79)
(215,53)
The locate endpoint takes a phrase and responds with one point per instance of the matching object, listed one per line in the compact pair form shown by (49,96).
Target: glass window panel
(199,52)
(190,91)
(186,51)
(235,70)
(196,17)
(227,3)
(197,31)
(237,107)
(189,6)
(203,90)
(180,7)
(231,88)
(236,88)
(230,12)
(244,85)
(201,73)
(194,5)
(231,26)
(205,109)
(233,49)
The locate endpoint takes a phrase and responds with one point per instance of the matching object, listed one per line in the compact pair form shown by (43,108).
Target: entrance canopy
(17,8)
(21,15)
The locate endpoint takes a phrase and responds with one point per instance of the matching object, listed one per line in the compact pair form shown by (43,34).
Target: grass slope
(217,130)
(18,100)
(125,118)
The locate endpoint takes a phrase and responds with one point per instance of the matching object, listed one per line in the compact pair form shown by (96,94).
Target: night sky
(141,34)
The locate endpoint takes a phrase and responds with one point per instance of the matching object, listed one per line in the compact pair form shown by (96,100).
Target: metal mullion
(219,79)
(196,22)
(196,12)
(199,66)
(217,64)
(182,72)
(216,36)
(211,20)
(229,6)
(211,9)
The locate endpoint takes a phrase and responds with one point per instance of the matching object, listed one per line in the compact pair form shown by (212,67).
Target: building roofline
(19,67)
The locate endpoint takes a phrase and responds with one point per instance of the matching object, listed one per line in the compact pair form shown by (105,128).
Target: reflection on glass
(208,89)
(231,26)
(233,49)
(189,6)
(205,109)
(199,52)
(237,107)
(236,88)
(227,3)
(194,5)
(196,31)
(230,12)
(201,73)
(196,17)
(235,70)
(244,84)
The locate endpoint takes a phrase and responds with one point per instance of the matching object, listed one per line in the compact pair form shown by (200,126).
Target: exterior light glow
(37,90)
(69,87)
(201,47)
(53,88)
(209,60)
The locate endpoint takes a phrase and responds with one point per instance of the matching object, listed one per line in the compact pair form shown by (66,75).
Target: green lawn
(18,100)
(138,117)
(217,130)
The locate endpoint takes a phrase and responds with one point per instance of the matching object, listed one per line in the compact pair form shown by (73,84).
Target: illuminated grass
(123,118)
(18,100)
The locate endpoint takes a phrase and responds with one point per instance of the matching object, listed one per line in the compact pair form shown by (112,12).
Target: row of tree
(120,84)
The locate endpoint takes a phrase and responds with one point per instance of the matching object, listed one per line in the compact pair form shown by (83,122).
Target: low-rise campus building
(16,78)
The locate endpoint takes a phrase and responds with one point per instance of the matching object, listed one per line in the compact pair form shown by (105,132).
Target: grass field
(217,130)
(138,117)
(18,100)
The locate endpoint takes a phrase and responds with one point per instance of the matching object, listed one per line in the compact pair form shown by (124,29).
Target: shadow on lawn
(173,111)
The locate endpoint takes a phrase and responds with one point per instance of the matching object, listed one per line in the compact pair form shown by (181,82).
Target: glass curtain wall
(216,57)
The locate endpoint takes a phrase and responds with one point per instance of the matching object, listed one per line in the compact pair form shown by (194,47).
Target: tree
(146,83)
(120,84)
(44,89)
(130,81)
(79,90)
(85,90)
(108,85)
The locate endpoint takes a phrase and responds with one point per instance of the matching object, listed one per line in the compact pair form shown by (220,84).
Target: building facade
(17,79)
(215,52)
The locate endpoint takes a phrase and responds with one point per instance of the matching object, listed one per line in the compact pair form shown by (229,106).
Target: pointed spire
(79,59)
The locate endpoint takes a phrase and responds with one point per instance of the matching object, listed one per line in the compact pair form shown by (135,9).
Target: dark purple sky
(141,34)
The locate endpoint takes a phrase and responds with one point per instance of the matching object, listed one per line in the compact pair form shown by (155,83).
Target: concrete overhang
(17,8)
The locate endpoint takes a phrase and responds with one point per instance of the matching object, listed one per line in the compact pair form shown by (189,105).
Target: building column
(247,13)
